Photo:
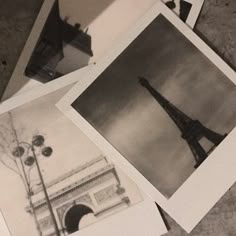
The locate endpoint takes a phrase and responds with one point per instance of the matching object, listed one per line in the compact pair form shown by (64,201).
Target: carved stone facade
(95,189)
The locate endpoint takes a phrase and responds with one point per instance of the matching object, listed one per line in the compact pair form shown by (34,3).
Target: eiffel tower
(192,131)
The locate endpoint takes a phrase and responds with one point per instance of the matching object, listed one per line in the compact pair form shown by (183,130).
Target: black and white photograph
(69,35)
(66,41)
(62,181)
(163,105)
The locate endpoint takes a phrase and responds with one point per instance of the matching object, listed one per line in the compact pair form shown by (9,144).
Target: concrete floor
(216,25)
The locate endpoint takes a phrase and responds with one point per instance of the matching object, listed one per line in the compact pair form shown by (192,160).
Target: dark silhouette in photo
(49,51)
(168,125)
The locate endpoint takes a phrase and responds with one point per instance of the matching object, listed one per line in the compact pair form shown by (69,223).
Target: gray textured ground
(216,25)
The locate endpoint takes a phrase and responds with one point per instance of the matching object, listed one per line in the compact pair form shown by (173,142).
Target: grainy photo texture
(162,104)
(54,180)
(70,34)
(66,41)
(62,47)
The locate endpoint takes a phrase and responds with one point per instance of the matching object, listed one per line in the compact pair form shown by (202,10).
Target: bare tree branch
(6,152)
(9,167)
(12,159)
(6,142)
(6,146)
(13,128)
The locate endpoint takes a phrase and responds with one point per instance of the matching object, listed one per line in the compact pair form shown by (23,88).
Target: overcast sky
(127,116)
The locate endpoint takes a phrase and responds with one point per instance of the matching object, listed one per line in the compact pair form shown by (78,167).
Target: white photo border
(26,54)
(146,202)
(194,12)
(207,184)
(16,81)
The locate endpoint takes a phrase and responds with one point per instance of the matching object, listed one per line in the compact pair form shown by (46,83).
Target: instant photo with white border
(104,24)
(116,225)
(204,186)
(31,111)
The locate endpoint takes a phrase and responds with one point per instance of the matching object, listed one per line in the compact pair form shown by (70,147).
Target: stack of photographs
(58,174)
(115,106)
(162,105)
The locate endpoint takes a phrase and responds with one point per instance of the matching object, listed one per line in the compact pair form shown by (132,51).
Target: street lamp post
(46,194)
(18,153)
(37,142)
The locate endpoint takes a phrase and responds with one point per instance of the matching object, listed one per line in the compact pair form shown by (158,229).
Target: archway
(74,216)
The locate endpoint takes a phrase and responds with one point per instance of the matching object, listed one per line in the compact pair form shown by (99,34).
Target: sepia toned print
(67,36)
(70,34)
(62,181)
(162,104)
